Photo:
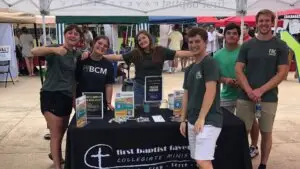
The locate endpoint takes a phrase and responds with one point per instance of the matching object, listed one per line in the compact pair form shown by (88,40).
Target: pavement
(22,125)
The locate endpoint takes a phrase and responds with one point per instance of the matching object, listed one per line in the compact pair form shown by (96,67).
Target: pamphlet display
(94,104)
(124,104)
(81,111)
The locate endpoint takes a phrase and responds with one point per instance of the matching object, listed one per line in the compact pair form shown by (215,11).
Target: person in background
(49,40)
(246,35)
(148,60)
(87,37)
(216,36)
(210,40)
(220,40)
(201,114)
(18,49)
(56,96)
(251,32)
(184,46)
(96,74)
(94,33)
(26,42)
(226,59)
(261,66)
(175,42)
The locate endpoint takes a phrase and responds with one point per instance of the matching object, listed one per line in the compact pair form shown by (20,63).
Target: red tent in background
(249,20)
(289,12)
(205,19)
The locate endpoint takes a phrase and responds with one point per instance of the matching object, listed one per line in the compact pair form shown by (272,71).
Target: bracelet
(183,121)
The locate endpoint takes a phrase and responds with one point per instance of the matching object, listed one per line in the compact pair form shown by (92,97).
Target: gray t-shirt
(262,59)
(195,78)
(61,73)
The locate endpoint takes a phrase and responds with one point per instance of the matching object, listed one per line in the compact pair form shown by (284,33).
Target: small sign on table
(153,89)
(94,105)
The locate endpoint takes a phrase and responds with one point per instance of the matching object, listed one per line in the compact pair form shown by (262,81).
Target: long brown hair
(156,51)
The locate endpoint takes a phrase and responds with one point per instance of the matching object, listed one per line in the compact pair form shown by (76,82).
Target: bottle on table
(171,101)
(146,107)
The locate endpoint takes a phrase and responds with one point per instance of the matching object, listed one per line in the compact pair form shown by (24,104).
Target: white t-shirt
(210,42)
(215,42)
(176,37)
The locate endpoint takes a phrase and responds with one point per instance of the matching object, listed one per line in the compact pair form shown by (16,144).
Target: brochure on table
(94,104)
(153,89)
(81,111)
(124,104)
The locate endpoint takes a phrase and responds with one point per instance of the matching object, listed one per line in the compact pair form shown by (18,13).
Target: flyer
(124,104)
(153,89)
(94,105)
(178,98)
(5,53)
(81,111)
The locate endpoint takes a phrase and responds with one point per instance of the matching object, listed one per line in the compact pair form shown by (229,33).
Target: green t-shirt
(226,60)
(261,59)
(147,66)
(61,73)
(195,77)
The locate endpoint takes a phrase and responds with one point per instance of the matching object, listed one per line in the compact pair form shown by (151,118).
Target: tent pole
(276,23)
(131,35)
(39,59)
(242,28)
(112,37)
(126,36)
(44,29)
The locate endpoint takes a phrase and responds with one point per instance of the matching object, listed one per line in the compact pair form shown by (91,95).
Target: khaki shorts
(245,110)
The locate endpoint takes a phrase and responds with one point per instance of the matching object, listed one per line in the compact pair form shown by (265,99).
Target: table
(150,145)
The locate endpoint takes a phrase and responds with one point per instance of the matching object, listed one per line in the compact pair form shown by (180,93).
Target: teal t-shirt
(226,60)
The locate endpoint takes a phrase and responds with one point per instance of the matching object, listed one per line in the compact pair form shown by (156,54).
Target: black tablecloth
(149,145)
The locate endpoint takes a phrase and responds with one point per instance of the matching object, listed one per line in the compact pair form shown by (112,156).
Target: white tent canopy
(275,5)
(125,7)
(147,7)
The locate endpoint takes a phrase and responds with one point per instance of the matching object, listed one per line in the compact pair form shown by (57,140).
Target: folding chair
(6,63)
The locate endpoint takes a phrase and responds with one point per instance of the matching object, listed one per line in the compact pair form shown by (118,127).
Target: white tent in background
(253,6)
(146,7)
(127,7)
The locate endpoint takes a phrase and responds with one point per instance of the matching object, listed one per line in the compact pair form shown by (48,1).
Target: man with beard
(226,59)
(261,66)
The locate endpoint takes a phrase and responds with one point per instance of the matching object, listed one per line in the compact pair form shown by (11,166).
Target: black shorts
(56,103)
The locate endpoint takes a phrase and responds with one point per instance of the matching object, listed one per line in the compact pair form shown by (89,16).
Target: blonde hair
(265,12)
